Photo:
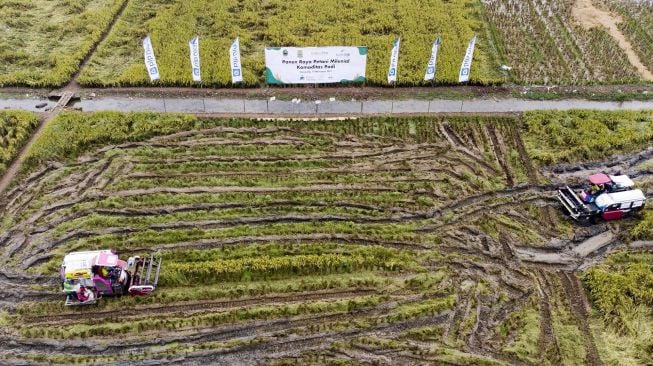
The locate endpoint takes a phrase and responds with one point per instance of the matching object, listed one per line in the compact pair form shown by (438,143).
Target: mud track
(579,308)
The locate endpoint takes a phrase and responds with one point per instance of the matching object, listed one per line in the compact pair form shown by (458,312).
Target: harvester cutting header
(611,197)
(87,276)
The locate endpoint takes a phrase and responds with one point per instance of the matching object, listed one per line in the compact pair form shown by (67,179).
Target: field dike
(372,241)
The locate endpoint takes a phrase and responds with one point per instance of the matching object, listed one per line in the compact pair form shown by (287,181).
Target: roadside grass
(42,42)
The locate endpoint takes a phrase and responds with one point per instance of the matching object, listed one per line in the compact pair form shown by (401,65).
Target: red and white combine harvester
(610,197)
(87,276)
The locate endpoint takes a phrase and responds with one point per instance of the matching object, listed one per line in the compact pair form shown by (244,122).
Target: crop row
(544,44)
(225,290)
(264,267)
(637,26)
(203,320)
(73,134)
(554,137)
(225,205)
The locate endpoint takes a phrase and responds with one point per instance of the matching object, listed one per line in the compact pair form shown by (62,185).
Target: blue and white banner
(433,61)
(150,60)
(234,60)
(394,61)
(466,67)
(194,46)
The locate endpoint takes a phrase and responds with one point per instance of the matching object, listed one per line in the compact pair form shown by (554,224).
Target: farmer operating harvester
(610,197)
(87,276)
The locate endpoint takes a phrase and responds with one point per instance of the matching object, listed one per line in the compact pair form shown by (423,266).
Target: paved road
(264,106)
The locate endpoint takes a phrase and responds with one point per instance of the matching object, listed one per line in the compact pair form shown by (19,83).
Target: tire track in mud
(547,342)
(175,309)
(457,145)
(531,172)
(223,332)
(166,210)
(577,300)
(293,347)
(500,154)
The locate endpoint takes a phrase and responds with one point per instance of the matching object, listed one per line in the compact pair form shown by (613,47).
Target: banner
(394,61)
(194,45)
(466,67)
(313,65)
(150,60)
(234,60)
(433,61)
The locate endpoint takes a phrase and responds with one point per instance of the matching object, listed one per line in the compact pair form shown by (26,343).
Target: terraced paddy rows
(373,240)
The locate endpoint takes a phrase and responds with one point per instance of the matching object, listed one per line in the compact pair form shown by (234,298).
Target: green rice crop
(43,42)
(15,129)
(374,23)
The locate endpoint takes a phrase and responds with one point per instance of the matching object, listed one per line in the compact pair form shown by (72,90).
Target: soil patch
(590,16)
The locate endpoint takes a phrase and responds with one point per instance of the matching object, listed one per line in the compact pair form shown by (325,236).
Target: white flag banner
(194,46)
(394,61)
(234,59)
(433,61)
(466,67)
(150,60)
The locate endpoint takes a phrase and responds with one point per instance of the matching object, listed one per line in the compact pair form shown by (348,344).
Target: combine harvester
(87,276)
(610,197)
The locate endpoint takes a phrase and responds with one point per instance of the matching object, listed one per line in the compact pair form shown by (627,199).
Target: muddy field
(374,241)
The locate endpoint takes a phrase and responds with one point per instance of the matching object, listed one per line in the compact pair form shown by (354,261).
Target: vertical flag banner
(394,61)
(234,59)
(150,60)
(466,67)
(194,45)
(433,61)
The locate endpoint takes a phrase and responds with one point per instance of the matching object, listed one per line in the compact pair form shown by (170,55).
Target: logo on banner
(394,61)
(466,67)
(234,59)
(150,60)
(195,58)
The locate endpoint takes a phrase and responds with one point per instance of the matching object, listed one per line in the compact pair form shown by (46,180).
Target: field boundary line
(14,168)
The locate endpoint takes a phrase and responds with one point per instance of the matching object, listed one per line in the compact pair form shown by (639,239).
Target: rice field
(15,129)
(541,41)
(395,240)
(545,44)
(375,24)
(43,42)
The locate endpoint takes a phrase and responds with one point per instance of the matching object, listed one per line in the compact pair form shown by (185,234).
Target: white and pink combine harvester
(610,197)
(88,276)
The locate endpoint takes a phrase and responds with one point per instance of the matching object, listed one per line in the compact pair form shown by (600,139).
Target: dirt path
(72,85)
(590,16)
(45,119)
